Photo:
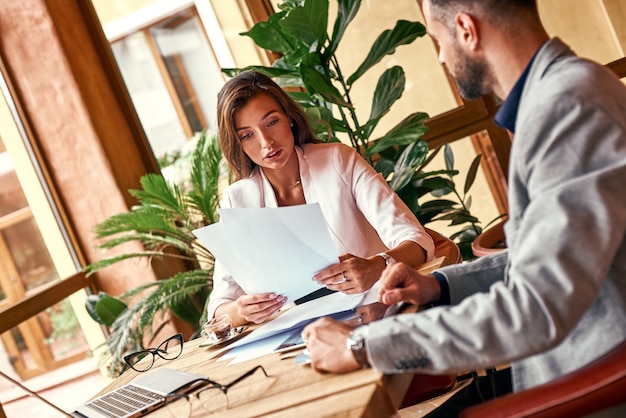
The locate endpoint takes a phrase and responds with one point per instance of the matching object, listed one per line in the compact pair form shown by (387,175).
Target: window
(173,78)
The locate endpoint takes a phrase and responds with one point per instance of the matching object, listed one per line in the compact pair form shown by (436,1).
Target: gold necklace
(296,184)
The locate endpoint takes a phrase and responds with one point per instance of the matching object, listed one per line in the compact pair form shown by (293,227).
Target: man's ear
(466,31)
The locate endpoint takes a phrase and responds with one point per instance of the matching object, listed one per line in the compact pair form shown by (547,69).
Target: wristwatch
(388,259)
(356,344)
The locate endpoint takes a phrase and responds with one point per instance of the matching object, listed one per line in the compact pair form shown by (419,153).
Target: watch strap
(388,259)
(357,346)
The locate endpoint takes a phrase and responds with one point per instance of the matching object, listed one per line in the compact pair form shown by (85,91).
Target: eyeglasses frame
(206,384)
(155,352)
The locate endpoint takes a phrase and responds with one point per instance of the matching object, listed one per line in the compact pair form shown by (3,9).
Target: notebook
(141,396)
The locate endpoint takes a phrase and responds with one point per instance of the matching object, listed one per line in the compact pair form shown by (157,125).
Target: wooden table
(291,390)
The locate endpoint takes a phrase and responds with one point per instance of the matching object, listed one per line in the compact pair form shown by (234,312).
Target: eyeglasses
(167,350)
(208,400)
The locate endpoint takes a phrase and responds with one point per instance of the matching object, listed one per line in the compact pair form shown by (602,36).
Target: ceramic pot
(491,241)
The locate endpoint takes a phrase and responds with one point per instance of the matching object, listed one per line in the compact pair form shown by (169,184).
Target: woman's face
(265,132)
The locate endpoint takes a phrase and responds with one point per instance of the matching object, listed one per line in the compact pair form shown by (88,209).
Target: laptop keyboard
(124,401)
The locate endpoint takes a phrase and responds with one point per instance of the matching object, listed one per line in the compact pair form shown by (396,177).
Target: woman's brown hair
(233,96)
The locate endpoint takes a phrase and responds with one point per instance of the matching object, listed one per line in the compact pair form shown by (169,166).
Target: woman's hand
(352,274)
(257,308)
(252,308)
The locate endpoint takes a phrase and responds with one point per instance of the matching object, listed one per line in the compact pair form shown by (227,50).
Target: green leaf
(384,167)
(407,164)
(205,170)
(448,157)
(403,33)
(346,11)
(439,186)
(432,156)
(108,309)
(389,89)
(441,205)
(410,130)
(308,24)
(269,35)
(471,174)
(272,72)
(466,234)
(317,83)
(457,217)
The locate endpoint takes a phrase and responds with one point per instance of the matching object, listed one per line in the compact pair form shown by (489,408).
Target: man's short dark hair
(493,10)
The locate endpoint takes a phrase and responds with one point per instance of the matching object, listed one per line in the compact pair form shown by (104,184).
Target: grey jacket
(556,300)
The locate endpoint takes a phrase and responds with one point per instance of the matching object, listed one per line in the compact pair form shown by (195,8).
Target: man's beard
(471,77)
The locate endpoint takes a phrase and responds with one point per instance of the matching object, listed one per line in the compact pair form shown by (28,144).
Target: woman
(277,161)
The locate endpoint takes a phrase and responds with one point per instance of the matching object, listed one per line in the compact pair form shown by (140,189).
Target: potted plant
(310,70)
(166,215)
(162,221)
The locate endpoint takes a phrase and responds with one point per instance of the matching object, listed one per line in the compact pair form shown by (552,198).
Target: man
(556,299)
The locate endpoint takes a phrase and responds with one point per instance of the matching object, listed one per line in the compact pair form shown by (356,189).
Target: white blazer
(363,214)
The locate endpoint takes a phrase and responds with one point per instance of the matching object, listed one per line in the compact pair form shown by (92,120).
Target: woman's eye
(272,122)
(245,136)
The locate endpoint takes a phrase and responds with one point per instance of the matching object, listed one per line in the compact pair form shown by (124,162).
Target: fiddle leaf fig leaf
(268,71)
(308,24)
(388,90)
(410,130)
(403,33)
(316,83)
(347,10)
(471,174)
(108,309)
(269,35)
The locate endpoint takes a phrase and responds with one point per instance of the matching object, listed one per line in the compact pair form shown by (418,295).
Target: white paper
(272,249)
(300,315)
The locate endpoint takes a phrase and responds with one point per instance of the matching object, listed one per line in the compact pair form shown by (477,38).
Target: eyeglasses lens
(139,362)
(170,349)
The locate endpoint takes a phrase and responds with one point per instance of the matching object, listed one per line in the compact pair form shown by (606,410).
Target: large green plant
(162,221)
(309,63)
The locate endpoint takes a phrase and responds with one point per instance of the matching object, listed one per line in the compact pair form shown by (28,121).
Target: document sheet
(272,249)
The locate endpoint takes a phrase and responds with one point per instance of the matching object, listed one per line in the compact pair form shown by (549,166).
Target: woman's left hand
(352,274)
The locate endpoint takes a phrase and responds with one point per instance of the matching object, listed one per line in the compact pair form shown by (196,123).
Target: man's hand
(326,342)
(400,282)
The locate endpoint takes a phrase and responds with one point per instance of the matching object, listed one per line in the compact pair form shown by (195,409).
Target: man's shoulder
(559,71)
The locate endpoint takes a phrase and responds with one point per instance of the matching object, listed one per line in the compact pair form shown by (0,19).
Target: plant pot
(491,241)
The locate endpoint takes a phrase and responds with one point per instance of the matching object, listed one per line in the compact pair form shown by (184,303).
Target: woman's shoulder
(244,186)
(327,149)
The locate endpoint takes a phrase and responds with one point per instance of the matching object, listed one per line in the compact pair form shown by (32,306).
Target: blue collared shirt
(505,118)
(507,114)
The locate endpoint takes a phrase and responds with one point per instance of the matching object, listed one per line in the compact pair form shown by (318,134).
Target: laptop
(142,395)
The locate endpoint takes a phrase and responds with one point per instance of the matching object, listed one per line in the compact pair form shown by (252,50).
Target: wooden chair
(445,247)
(423,386)
(597,386)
